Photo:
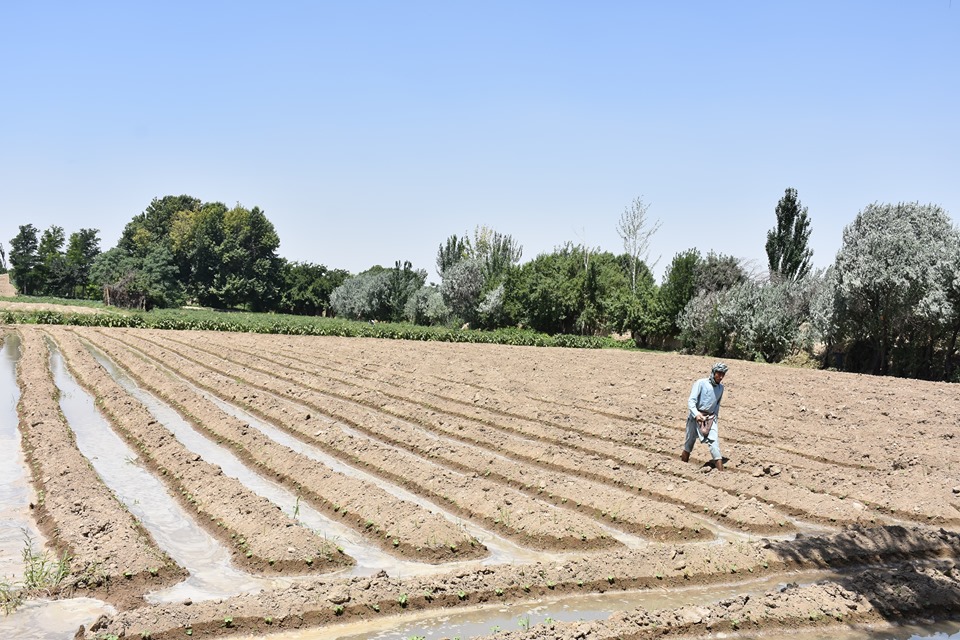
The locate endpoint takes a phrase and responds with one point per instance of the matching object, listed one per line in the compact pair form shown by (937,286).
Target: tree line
(889,304)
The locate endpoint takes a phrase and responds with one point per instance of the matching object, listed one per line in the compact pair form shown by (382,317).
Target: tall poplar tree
(787,250)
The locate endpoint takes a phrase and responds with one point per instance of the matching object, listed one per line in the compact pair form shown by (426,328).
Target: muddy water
(47,620)
(39,619)
(16,492)
(370,561)
(501,549)
(212,575)
(481,621)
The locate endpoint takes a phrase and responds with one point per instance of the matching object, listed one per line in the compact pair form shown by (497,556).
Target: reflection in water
(16,492)
(212,574)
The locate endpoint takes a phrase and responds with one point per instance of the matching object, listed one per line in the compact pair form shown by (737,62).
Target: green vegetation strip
(204,320)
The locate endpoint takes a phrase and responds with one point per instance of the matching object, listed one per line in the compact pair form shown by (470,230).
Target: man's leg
(690,439)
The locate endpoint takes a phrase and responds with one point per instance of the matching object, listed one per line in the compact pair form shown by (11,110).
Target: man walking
(704,415)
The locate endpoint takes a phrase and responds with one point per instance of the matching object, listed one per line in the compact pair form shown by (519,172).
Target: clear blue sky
(370,131)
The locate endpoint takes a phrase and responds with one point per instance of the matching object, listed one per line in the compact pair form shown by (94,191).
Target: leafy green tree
(404,281)
(497,252)
(249,269)
(307,287)
(82,249)
(571,290)
(547,292)
(717,272)
(52,276)
(426,307)
(152,277)
(893,279)
(196,238)
(153,226)
(451,252)
(24,260)
(787,247)
(678,288)
(462,287)
(377,293)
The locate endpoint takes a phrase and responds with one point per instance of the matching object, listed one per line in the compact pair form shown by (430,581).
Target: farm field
(343,480)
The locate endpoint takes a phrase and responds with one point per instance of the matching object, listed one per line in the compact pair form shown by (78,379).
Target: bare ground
(561,451)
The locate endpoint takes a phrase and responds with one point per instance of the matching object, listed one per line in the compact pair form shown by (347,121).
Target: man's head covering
(722,368)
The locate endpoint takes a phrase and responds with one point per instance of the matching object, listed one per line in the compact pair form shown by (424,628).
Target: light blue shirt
(705,398)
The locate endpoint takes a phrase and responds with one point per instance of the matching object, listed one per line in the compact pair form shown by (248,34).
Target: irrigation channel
(370,560)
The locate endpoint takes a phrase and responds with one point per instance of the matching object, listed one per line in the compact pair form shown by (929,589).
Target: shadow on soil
(906,574)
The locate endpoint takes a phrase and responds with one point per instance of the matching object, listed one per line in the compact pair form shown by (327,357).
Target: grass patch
(42,572)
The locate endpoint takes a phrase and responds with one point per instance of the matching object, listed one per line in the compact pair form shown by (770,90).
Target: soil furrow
(402,528)
(659,567)
(539,406)
(794,500)
(260,536)
(111,555)
(533,522)
(810,474)
(622,509)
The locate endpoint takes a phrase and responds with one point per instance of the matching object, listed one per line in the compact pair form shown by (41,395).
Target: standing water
(16,493)
(212,575)
(39,619)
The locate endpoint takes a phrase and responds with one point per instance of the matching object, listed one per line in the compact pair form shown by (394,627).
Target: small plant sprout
(524,623)
(551,584)
(338,610)
(376,608)
(228,621)
(462,594)
(268,620)
(402,600)
(498,591)
(610,579)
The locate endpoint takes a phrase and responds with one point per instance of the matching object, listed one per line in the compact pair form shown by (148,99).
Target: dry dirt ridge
(563,451)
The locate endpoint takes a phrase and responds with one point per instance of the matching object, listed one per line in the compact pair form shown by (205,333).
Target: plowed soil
(571,453)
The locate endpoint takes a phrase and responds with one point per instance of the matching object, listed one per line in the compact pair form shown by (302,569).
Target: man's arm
(692,401)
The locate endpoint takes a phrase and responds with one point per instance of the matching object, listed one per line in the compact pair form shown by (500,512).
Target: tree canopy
(788,253)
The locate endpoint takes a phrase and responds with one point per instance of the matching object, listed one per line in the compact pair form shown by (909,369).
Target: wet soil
(112,556)
(548,446)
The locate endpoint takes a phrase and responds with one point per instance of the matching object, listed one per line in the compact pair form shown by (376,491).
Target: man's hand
(700,417)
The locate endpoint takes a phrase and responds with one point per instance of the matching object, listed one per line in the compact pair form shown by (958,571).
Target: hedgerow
(204,320)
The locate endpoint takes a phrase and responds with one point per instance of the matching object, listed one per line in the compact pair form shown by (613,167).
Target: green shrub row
(308,326)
